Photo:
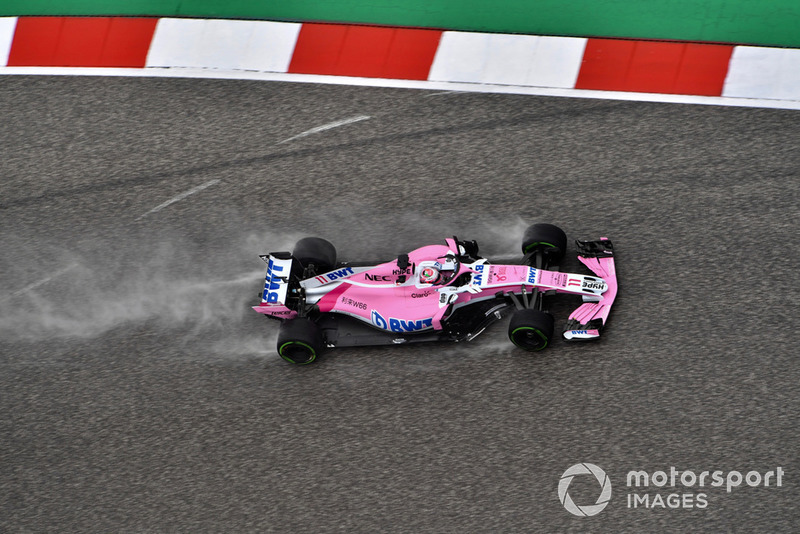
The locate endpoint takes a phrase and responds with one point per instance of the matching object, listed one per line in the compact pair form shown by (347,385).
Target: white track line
(324,127)
(179,198)
(443,93)
(43,281)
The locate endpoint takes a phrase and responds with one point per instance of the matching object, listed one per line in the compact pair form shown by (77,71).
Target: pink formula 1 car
(434,293)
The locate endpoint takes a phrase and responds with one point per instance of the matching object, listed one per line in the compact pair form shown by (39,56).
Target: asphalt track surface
(141,394)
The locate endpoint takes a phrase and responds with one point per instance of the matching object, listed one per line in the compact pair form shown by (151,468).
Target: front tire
(300,341)
(547,239)
(531,330)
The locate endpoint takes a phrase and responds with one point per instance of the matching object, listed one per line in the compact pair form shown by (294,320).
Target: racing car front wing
(587,321)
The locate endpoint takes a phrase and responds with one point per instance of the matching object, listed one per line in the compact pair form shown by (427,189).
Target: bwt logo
(341,273)
(378,320)
(272,283)
(399,325)
(477,278)
(590,509)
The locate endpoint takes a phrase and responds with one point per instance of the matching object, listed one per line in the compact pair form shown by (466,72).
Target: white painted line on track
(403,84)
(43,281)
(179,198)
(443,93)
(324,127)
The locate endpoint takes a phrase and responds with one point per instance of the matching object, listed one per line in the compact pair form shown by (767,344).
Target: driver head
(429,275)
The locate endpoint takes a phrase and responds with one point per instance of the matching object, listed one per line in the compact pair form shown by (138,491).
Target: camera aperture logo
(589,509)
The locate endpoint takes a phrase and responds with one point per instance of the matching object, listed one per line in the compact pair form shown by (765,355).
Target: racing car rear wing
(586,322)
(276,283)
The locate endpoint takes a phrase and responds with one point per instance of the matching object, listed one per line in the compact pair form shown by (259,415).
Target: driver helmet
(429,275)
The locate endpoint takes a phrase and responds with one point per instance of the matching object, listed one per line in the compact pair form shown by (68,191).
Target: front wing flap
(587,322)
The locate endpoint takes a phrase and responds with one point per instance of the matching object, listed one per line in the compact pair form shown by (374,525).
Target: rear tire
(531,330)
(300,341)
(548,239)
(316,251)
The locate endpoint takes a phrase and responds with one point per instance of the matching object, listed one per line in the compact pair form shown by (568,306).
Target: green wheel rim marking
(537,331)
(538,243)
(309,347)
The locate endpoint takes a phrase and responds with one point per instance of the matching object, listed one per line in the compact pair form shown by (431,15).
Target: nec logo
(377,277)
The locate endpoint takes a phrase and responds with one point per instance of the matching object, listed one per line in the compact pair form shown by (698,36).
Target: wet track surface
(140,393)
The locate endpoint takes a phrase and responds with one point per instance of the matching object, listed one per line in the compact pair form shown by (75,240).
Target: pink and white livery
(434,293)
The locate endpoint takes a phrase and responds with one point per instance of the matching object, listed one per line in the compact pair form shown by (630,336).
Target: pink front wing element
(605,268)
(582,334)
